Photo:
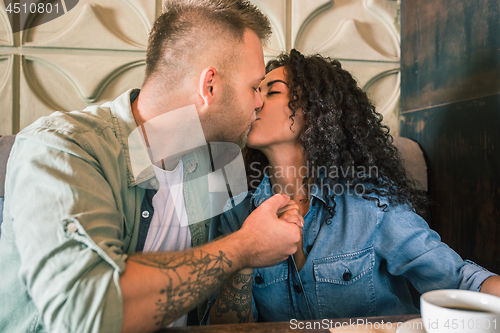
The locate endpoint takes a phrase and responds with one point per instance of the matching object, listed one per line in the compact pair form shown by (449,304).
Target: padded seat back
(413,159)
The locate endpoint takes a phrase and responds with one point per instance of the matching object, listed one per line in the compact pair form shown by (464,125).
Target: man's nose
(257,110)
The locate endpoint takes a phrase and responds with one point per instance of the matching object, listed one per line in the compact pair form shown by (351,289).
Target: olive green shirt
(71,217)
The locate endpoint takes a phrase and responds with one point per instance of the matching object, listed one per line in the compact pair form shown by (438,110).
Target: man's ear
(208,78)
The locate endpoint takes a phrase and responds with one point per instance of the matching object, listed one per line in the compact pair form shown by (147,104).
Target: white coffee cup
(460,311)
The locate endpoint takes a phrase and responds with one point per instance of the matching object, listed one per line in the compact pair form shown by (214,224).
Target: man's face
(241,96)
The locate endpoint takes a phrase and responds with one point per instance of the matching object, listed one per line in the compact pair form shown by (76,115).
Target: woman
(319,140)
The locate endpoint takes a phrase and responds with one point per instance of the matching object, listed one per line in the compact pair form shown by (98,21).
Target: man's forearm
(160,287)
(234,302)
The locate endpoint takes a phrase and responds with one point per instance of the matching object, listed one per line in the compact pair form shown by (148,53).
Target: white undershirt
(169,229)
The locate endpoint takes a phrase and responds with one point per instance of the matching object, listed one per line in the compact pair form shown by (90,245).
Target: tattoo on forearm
(236,295)
(183,292)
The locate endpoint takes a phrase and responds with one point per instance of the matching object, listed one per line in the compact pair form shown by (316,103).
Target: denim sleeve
(67,230)
(231,219)
(413,250)
(234,216)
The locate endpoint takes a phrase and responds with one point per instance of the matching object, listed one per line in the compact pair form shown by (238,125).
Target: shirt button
(347,276)
(153,182)
(297,288)
(145,214)
(71,227)
(259,279)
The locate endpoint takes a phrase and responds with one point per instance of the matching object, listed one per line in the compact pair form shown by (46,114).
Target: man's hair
(188,28)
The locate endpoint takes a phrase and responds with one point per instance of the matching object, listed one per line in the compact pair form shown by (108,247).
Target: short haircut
(187,27)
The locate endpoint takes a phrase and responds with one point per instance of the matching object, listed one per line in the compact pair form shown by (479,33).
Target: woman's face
(273,122)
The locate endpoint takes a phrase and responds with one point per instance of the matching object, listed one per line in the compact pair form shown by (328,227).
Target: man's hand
(264,239)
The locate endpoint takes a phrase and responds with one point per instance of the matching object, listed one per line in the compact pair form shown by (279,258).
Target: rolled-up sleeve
(473,276)
(68,231)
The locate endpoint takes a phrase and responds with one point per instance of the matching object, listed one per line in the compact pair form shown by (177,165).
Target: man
(76,203)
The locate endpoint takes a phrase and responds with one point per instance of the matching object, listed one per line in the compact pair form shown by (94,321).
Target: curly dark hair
(342,132)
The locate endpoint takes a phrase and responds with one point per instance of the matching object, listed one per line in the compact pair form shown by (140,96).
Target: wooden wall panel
(450,105)
(451,51)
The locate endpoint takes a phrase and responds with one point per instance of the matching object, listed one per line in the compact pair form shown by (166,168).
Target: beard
(226,122)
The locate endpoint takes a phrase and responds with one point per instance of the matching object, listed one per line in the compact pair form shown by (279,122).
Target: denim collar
(264,192)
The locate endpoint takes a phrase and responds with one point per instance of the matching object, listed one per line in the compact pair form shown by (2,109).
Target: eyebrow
(275,81)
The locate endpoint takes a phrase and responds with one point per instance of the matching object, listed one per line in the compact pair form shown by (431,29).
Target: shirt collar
(264,192)
(134,148)
(121,109)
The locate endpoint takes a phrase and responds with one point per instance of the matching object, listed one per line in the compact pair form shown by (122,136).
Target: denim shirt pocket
(270,292)
(344,284)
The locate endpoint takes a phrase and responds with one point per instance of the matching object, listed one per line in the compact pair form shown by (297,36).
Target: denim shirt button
(347,276)
(259,279)
(297,288)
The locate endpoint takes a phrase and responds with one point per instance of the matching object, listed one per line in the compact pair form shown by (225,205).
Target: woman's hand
(491,286)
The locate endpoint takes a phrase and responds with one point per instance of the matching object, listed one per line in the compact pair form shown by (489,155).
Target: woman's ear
(206,85)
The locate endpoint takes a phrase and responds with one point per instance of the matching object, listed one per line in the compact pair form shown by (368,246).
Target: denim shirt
(71,216)
(357,262)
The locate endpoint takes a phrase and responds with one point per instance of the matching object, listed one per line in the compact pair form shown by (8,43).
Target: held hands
(290,213)
(265,238)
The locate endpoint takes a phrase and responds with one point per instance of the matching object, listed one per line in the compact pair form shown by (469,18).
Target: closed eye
(273,92)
